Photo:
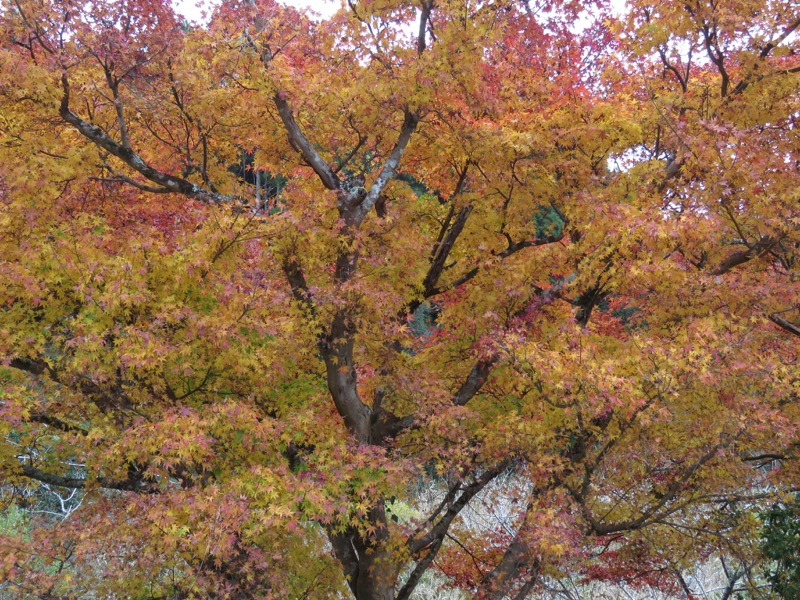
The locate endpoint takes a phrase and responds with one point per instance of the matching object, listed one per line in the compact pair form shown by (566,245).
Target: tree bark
(366,561)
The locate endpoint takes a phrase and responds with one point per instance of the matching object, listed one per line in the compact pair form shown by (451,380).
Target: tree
(780,543)
(599,213)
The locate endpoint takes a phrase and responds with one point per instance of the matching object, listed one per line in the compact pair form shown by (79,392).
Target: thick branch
(56,423)
(336,348)
(101,139)
(297,282)
(131,484)
(443,251)
(715,55)
(765,244)
(300,142)
(784,324)
(475,380)
(427,6)
(497,583)
(29,365)
(337,351)
(390,166)
(345,552)
(113,398)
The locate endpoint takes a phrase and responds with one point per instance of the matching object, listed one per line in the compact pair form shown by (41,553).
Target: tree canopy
(533,255)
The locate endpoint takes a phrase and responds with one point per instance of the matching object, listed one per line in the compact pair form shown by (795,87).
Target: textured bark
(366,561)
(342,381)
(498,583)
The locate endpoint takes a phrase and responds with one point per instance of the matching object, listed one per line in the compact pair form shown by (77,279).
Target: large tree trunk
(367,564)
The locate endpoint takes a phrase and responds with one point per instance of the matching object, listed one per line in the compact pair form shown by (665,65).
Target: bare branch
(432,541)
(120,178)
(648,515)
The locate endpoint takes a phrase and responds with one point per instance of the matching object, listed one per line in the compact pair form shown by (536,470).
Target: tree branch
(475,380)
(765,244)
(499,580)
(345,552)
(425,13)
(765,51)
(114,398)
(297,282)
(715,55)
(101,139)
(300,142)
(650,514)
(131,484)
(410,122)
(56,423)
(432,541)
(443,251)
(512,248)
(120,178)
(784,324)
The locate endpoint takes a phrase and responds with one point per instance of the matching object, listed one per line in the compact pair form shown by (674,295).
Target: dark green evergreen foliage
(548,222)
(423,321)
(781,544)
(415,184)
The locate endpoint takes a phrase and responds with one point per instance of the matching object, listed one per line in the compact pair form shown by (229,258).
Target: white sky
(325,8)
